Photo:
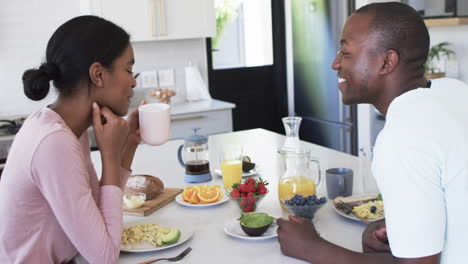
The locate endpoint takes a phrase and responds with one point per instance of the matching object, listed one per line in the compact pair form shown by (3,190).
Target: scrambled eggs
(140,233)
(370,210)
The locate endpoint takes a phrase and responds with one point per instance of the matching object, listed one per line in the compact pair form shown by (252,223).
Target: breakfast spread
(202,194)
(154,234)
(149,185)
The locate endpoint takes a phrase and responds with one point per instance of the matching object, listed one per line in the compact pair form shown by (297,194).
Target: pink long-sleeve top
(51,203)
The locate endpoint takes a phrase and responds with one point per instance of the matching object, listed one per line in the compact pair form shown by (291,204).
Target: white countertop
(199,106)
(210,244)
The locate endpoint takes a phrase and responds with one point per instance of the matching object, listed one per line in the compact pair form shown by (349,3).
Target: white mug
(155,123)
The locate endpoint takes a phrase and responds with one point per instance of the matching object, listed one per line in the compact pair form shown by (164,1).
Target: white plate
(181,201)
(234,229)
(252,172)
(186,233)
(351,215)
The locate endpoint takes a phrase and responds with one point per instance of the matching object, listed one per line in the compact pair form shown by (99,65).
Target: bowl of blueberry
(304,207)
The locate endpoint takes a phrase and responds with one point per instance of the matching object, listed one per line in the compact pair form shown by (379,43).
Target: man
(421,155)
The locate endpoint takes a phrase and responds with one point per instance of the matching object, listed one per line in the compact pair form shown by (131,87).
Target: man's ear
(390,62)
(95,74)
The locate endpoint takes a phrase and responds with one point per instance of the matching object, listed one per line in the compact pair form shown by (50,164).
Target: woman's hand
(374,238)
(111,134)
(134,137)
(110,131)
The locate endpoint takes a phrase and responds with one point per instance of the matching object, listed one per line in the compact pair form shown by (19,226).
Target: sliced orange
(194,199)
(208,195)
(187,193)
(220,195)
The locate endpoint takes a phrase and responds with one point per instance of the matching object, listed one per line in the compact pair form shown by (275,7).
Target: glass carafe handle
(179,156)
(319,172)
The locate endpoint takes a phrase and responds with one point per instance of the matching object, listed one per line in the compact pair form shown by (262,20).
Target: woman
(52,204)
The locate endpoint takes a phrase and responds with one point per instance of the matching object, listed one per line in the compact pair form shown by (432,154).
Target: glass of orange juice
(231,165)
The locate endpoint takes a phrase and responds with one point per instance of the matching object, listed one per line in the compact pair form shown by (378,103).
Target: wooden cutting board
(152,205)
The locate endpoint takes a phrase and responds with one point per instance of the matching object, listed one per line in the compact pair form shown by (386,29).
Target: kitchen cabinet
(149,20)
(211,116)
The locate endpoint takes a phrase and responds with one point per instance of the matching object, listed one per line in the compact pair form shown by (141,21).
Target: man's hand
(374,238)
(296,237)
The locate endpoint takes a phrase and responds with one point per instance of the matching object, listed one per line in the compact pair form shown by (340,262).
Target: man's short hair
(398,27)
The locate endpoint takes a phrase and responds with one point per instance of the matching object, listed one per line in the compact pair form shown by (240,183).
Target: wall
(456,35)
(26,26)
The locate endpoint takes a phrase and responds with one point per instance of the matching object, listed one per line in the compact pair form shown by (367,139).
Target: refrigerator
(313,29)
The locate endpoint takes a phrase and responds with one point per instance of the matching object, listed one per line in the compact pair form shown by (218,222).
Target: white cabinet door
(148,20)
(132,16)
(190,18)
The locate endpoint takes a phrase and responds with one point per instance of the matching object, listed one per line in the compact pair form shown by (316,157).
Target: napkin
(195,85)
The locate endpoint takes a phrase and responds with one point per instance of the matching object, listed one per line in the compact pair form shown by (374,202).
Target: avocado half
(168,236)
(255,224)
(247,164)
(255,231)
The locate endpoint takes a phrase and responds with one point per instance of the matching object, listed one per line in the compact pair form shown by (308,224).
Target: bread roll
(150,185)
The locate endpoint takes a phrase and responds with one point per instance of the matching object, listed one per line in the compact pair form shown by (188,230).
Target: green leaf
(255,220)
(379,197)
(437,52)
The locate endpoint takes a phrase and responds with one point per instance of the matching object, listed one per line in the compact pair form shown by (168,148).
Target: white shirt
(421,166)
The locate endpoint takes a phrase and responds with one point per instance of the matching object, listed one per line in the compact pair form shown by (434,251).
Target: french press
(194,157)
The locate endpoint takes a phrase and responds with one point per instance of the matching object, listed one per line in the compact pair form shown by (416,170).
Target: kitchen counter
(209,242)
(200,106)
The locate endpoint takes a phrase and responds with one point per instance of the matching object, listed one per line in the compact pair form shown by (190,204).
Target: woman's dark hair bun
(36,84)
(50,70)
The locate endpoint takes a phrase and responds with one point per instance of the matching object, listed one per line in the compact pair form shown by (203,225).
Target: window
(244,34)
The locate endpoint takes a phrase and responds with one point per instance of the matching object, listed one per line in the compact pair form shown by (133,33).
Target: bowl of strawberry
(248,194)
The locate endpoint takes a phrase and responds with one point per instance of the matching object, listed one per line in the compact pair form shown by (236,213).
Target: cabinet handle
(158,17)
(187,118)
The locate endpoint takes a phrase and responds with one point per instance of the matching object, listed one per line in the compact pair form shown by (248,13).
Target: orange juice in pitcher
(298,178)
(291,186)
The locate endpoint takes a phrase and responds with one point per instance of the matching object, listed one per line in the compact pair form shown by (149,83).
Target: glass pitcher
(298,176)
(291,127)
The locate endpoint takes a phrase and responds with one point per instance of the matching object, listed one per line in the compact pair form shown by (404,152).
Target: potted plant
(226,11)
(436,53)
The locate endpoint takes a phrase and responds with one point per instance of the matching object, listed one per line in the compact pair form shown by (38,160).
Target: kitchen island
(209,241)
